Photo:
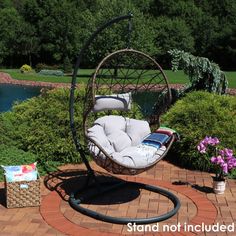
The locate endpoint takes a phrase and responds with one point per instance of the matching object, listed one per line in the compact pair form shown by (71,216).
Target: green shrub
(197,115)
(25,68)
(39,67)
(51,72)
(67,67)
(41,125)
(42,66)
(7,130)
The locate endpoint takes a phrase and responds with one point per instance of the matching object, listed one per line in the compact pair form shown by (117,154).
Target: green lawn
(174,77)
(231,76)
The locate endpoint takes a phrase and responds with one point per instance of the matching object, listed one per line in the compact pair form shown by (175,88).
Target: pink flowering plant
(222,158)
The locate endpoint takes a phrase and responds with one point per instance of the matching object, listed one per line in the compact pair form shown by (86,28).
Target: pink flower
(222,152)
(231,162)
(201,148)
(224,167)
(217,160)
(224,158)
(228,152)
(211,141)
(215,141)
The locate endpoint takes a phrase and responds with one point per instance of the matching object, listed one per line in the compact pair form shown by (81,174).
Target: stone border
(7,79)
(50,210)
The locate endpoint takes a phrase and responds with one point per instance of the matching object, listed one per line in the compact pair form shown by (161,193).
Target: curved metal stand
(76,203)
(78,146)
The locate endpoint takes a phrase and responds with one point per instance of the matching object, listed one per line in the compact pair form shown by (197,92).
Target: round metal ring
(76,204)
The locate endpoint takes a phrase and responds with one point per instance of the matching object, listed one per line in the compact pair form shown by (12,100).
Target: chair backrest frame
(105,80)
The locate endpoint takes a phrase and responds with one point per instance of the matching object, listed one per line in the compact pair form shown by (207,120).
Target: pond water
(11,93)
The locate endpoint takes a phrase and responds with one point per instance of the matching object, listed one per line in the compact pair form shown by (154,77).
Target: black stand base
(76,201)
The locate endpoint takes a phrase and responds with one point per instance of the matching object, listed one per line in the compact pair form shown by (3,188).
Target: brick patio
(55,217)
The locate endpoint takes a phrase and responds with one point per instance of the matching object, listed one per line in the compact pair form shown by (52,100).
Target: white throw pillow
(113,102)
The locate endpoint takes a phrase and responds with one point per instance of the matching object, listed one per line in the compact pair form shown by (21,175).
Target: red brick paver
(56,217)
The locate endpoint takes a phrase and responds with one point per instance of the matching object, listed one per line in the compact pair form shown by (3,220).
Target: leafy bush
(51,72)
(197,115)
(42,66)
(41,125)
(25,68)
(7,130)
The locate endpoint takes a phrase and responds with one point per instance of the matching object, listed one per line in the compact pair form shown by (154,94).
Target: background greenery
(53,31)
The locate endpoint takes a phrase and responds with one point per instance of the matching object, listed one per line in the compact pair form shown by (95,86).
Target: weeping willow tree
(203,74)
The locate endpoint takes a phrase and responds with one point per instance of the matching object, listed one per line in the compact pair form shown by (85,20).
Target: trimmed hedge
(51,72)
(42,66)
(197,115)
(25,68)
(41,125)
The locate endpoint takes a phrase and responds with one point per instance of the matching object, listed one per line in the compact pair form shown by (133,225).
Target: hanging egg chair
(123,101)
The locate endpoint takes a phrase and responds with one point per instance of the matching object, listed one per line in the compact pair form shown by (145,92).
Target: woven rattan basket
(23,193)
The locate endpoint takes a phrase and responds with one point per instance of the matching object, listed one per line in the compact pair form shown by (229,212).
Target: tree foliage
(115,37)
(172,33)
(57,28)
(53,31)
